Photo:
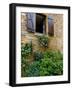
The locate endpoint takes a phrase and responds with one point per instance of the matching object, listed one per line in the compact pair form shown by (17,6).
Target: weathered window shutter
(31,22)
(50,26)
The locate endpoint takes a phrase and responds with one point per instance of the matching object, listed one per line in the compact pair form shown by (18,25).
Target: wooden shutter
(31,21)
(50,26)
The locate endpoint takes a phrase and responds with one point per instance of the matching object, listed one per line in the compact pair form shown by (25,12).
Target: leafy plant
(24,64)
(43,40)
(54,55)
(50,64)
(26,49)
(49,67)
(38,55)
(33,69)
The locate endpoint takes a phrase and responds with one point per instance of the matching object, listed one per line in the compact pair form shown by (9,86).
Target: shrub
(49,67)
(50,64)
(38,55)
(33,69)
(24,65)
(26,49)
(43,40)
(54,55)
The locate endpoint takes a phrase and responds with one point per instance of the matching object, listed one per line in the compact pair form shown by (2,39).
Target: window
(40,23)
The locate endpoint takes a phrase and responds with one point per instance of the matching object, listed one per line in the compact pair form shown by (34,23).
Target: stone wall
(23,23)
(55,42)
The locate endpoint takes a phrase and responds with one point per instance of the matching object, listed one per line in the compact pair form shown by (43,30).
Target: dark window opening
(40,23)
(50,26)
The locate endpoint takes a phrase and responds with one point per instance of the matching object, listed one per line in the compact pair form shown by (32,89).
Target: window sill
(38,34)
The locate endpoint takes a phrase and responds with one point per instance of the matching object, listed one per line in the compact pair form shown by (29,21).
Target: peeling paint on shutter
(31,22)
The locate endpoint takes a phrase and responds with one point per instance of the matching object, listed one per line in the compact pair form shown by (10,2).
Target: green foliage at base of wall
(26,49)
(51,64)
(38,55)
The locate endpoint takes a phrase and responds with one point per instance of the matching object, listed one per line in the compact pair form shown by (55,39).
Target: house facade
(51,25)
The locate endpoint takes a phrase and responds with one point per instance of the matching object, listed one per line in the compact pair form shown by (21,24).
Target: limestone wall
(23,23)
(55,42)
